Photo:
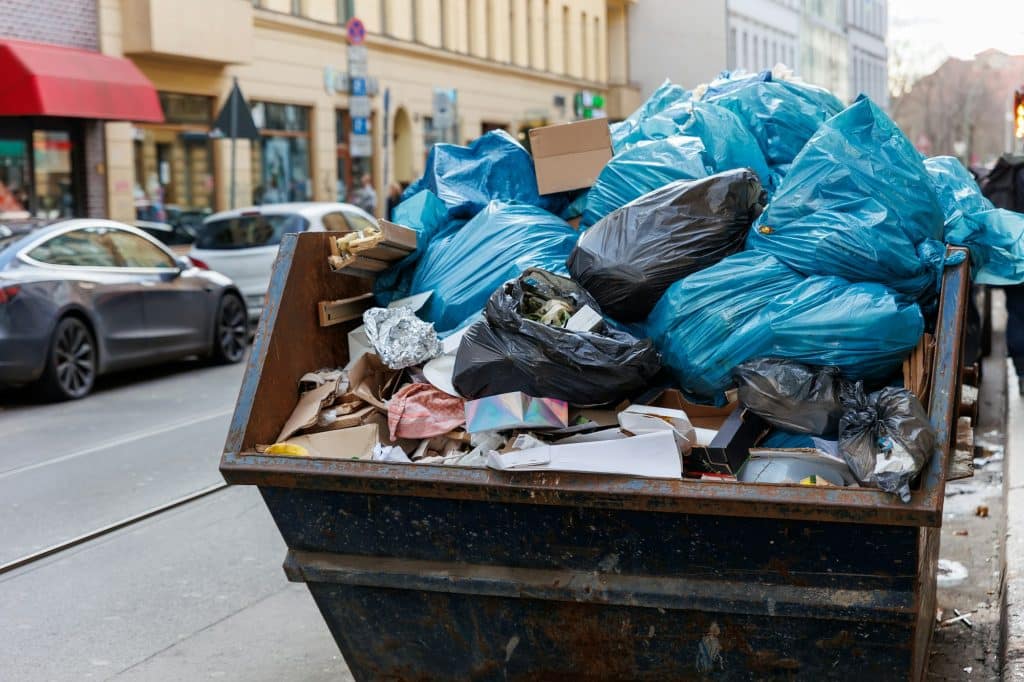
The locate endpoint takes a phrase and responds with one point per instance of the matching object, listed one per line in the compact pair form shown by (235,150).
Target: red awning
(49,80)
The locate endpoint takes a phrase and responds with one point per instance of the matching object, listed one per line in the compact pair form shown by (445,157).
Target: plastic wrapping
(509,351)
(631,256)
(464,268)
(494,167)
(781,115)
(698,314)
(857,203)
(791,396)
(994,236)
(641,169)
(885,438)
(663,97)
(400,338)
(426,214)
(862,328)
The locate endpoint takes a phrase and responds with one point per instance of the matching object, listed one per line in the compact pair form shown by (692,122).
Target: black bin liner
(509,352)
(792,396)
(885,437)
(631,256)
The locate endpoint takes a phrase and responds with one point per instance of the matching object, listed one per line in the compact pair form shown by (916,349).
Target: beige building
(512,64)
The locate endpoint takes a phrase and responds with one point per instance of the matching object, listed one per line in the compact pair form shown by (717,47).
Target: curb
(1012,644)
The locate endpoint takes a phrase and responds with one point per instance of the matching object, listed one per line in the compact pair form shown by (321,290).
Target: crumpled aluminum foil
(400,338)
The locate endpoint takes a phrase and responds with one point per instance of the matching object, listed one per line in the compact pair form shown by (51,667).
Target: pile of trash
(735,283)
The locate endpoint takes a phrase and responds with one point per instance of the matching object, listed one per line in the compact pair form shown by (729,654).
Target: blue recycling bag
(494,167)
(781,115)
(696,317)
(995,236)
(857,202)
(464,267)
(863,328)
(663,97)
(643,168)
(428,216)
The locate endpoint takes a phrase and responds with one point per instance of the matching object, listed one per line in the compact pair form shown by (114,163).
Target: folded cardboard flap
(570,156)
(352,443)
(306,410)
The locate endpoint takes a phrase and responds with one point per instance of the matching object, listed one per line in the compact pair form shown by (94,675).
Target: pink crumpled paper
(422,411)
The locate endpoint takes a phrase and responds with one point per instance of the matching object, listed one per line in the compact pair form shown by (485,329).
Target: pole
(386,145)
(234,136)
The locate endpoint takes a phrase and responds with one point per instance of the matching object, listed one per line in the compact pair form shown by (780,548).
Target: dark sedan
(82,297)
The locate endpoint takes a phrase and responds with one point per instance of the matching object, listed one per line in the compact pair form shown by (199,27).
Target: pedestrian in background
(394,199)
(366,197)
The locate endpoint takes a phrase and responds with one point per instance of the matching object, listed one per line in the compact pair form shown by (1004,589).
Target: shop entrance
(38,179)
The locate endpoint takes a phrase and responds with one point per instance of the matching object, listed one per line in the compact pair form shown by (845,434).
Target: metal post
(234,136)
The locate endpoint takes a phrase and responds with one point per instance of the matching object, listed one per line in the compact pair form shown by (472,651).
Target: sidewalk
(1013,591)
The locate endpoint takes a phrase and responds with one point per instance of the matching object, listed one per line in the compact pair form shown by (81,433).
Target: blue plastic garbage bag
(494,167)
(777,438)
(727,142)
(728,81)
(863,328)
(995,236)
(641,169)
(694,319)
(857,203)
(781,115)
(426,214)
(464,267)
(663,97)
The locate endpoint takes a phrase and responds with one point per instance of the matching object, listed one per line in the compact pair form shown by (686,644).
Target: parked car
(82,297)
(243,243)
(175,226)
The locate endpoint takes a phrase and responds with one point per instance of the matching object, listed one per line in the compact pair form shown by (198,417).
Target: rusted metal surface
(430,572)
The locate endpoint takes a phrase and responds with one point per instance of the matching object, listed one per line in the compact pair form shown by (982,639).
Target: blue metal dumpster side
(428,572)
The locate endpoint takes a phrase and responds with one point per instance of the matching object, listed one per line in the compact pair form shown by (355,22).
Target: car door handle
(148,283)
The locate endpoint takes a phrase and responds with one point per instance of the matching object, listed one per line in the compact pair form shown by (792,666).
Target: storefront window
(174,161)
(51,157)
(350,169)
(14,178)
(280,157)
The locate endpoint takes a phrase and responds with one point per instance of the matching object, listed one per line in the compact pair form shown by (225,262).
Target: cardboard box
(570,155)
(354,443)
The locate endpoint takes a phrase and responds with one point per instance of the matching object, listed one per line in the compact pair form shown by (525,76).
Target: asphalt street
(193,593)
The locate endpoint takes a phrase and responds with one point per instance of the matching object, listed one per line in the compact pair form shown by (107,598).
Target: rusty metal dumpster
(431,572)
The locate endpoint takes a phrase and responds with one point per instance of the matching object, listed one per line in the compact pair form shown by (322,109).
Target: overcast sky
(928,31)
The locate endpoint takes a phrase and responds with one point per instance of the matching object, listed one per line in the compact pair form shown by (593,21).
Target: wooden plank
(343,310)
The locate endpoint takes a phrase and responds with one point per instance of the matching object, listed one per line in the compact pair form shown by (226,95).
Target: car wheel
(71,364)
(231,330)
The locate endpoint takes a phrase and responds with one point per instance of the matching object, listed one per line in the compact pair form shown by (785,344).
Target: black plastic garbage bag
(885,437)
(631,256)
(792,396)
(513,350)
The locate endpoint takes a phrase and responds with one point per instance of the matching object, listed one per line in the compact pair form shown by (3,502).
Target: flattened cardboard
(650,456)
(344,309)
(354,443)
(372,380)
(309,406)
(570,155)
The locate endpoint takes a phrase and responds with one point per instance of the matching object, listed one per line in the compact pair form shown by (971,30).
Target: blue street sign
(360,125)
(358,86)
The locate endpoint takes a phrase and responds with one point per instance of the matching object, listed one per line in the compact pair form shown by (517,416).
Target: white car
(242,243)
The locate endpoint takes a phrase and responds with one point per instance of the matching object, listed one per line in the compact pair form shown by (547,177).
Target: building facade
(867,24)
(508,64)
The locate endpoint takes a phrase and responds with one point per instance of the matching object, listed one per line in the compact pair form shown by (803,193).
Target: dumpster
(439,572)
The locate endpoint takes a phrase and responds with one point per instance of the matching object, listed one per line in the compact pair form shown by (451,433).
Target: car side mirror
(183,264)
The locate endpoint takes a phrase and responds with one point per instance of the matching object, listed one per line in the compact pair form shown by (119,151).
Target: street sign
(357,86)
(360,146)
(359,106)
(360,125)
(355,31)
(235,118)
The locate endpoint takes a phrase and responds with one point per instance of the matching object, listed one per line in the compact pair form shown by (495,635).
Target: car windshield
(247,231)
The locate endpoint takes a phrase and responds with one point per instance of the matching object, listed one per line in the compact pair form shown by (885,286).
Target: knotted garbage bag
(524,344)
(857,203)
(697,315)
(631,256)
(994,236)
(642,168)
(465,267)
(494,167)
(792,396)
(885,437)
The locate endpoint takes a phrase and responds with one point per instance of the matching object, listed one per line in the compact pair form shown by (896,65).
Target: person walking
(366,197)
